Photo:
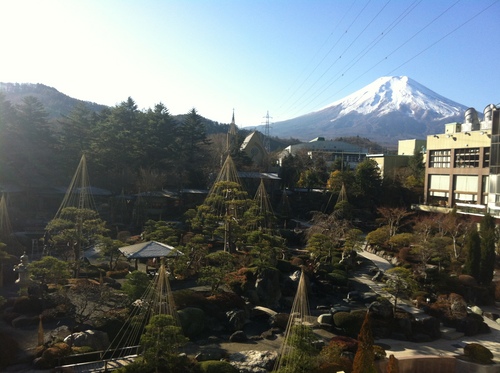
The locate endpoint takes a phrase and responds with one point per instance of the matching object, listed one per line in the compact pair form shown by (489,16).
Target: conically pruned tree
(364,360)
(488,236)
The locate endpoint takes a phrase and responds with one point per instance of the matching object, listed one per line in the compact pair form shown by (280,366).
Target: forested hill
(56,104)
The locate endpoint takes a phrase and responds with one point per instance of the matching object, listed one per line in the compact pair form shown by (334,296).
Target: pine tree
(364,360)
(473,261)
(488,239)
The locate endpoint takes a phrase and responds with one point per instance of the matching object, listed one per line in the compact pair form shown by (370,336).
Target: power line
(331,65)
(401,45)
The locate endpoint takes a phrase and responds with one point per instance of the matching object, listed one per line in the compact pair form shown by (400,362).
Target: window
(439,158)
(486,158)
(468,157)
(439,183)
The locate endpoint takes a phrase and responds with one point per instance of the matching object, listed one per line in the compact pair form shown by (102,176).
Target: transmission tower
(267,138)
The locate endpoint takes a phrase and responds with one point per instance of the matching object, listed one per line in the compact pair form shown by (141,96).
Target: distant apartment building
(463,165)
(391,164)
(330,151)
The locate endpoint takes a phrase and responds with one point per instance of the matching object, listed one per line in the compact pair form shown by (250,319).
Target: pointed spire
(232,135)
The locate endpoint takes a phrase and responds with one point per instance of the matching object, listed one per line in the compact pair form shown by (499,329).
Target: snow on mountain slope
(397,93)
(387,110)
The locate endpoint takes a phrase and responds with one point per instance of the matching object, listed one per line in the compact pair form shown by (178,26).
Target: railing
(98,361)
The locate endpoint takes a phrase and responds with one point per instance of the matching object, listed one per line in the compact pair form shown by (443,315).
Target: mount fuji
(385,111)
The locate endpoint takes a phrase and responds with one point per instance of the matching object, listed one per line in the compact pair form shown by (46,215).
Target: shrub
(188,298)
(217,305)
(350,322)
(478,353)
(338,278)
(212,366)
(344,343)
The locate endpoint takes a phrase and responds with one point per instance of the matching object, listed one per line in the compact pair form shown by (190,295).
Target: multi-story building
(463,165)
(330,151)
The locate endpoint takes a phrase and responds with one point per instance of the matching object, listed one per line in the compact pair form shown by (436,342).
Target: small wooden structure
(149,250)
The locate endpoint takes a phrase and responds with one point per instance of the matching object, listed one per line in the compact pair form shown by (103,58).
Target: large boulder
(267,287)
(458,306)
(383,310)
(95,339)
(193,321)
(430,326)
(238,336)
(59,333)
(236,319)
(253,361)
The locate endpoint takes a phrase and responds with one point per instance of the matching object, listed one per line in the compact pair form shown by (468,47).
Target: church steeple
(232,136)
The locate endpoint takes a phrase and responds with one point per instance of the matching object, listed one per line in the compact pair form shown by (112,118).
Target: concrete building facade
(460,170)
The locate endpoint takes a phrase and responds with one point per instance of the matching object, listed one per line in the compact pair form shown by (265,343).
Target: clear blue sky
(288,57)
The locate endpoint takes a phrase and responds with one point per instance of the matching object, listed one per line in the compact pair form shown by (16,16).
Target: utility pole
(267,139)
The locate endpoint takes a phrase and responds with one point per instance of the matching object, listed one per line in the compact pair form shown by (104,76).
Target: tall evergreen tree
(117,143)
(76,135)
(473,248)
(368,181)
(192,150)
(488,240)
(417,166)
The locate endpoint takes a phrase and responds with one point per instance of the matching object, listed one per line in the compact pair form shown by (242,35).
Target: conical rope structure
(79,193)
(225,204)
(158,299)
(298,331)
(264,209)
(5,226)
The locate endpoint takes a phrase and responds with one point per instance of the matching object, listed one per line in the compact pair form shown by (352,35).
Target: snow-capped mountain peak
(389,109)
(396,93)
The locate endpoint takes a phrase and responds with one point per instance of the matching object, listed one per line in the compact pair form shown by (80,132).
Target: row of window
(462,158)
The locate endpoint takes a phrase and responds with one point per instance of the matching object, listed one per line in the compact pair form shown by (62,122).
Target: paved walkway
(441,347)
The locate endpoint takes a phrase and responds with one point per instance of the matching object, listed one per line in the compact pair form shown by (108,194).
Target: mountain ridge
(387,110)
(55,102)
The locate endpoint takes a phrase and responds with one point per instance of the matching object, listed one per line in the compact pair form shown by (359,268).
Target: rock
(193,321)
(458,306)
(471,325)
(467,280)
(404,326)
(476,310)
(95,339)
(253,361)
(280,320)
(370,297)
(211,353)
(238,337)
(268,334)
(378,276)
(325,318)
(491,316)
(431,327)
(23,321)
(381,309)
(236,319)
(268,288)
(354,296)
(59,333)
